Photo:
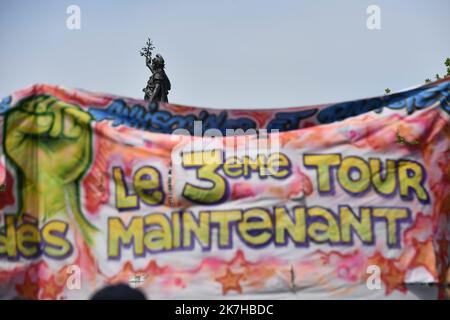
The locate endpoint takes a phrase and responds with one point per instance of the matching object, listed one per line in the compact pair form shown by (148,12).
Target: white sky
(228,54)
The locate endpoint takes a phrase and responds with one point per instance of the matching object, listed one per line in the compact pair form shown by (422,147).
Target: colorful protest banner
(346,200)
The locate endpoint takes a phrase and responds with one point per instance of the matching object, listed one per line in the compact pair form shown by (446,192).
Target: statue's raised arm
(147,53)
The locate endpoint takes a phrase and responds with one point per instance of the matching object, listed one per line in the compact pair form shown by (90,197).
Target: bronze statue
(158,85)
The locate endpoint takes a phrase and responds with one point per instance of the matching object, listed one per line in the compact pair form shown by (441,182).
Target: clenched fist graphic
(49,142)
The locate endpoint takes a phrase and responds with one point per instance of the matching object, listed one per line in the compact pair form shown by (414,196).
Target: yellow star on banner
(51,289)
(394,279)
(28,289)
(230,281)
(424,256)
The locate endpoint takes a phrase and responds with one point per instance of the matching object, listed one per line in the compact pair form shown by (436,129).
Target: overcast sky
(228,54)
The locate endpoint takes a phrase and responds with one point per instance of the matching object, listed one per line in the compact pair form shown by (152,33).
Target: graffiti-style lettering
(356,176)
(210,164)
(256,228)
(27,240)
(147,185)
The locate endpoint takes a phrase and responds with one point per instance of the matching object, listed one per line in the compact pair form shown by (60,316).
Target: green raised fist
(49,142)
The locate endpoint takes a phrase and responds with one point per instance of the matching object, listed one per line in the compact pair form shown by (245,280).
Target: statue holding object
(158,85)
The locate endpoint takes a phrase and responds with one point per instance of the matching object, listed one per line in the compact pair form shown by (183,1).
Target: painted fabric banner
(347,200)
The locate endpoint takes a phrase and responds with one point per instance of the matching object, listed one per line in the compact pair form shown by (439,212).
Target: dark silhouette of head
(158,61)
(118,292)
